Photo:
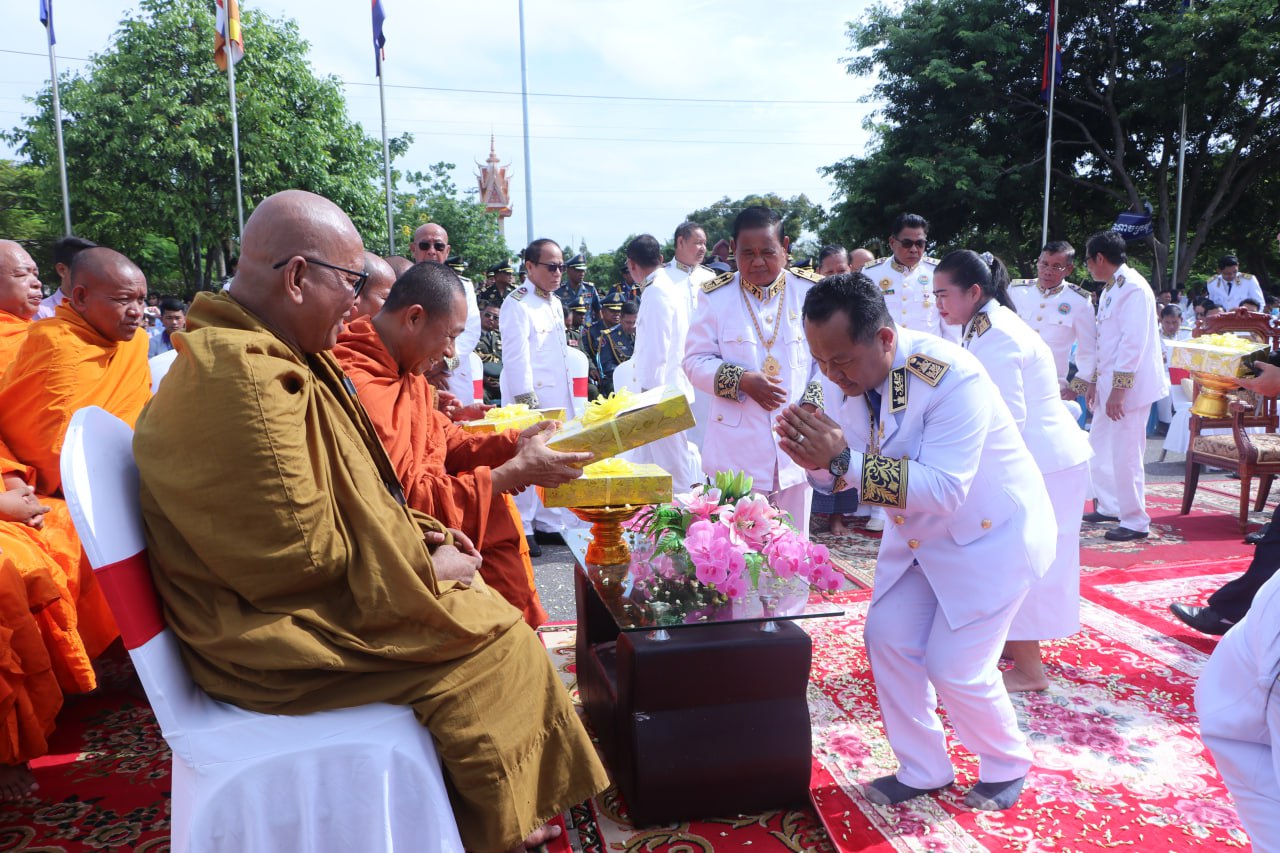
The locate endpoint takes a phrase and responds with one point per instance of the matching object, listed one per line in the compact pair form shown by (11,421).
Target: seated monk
(20,296)
(462,479)
(376,287)
(292,572)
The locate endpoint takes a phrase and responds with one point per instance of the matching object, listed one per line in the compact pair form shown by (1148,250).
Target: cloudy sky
(639,112)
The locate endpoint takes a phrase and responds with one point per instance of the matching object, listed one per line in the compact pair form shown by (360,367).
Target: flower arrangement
(719,542)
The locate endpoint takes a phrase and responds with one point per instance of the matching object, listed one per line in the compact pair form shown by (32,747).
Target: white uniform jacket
(1229,296)
(535,365)
(460,378)
(1022,367)
(908,293)
(963,496)
(661,329)
(1129,351)
(697,274)
(1062,316)
(722,345)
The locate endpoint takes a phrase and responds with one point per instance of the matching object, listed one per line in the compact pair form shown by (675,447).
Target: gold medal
(771,367)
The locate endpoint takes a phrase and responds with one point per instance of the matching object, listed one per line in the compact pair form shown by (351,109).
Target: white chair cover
(160,365)
(624,377)
(477,378)
(579,366)
(461,380)
(364,778)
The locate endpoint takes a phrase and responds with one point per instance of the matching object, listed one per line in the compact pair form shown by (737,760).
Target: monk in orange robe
(20,297)
(461,478)
(376,287)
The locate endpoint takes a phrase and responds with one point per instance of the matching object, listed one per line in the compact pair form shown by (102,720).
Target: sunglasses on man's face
(909,244)
(427,245)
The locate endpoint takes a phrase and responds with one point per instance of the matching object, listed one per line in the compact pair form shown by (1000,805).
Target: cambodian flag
(1052,55)
(46,18)
(379,39)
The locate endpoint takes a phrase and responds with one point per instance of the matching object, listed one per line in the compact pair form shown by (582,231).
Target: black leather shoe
(1256,536)
(546,537)
(1124,534)
(1204,619)
(535,550)
(1098,518)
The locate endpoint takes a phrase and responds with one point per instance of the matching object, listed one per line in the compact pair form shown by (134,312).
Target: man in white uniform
(63,252)
(431,243)
(1059,311)
(535,367)
(661,330)
(916,424)
(1129,377)
(906,277)
(746,346)
(691,251)
(1230,287)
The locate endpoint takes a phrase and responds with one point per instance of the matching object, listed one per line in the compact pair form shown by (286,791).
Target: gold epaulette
(927,368)
(519,293)
(717,282)
(982,324)
(1081,291)
(928,260)
(1022,282)
(806,273)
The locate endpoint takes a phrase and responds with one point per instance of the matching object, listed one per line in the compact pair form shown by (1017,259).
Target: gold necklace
(771,367)
(875,434)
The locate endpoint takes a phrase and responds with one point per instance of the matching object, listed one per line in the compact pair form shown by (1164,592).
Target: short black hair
(757,216)
(908,220)
(854,295)
(172,303)
(629,308)
(1109,244)
(65,250)
(1171,311)
(828,251)
(428,284)
(1061,247)
(1251,302)
(685,229)
(533,254)
(1228,261)
(645,251)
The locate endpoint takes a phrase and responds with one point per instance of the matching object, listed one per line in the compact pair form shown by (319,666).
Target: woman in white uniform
(1238,699)
(971,292)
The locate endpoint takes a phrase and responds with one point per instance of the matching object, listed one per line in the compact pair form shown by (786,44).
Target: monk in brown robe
(20,296)
(376,287)
(290,568)
(462,479)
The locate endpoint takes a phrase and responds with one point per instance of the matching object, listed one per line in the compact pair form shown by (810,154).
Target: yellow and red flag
(228,33)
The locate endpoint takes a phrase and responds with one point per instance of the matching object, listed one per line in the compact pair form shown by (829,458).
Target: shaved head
(286,275)
(20,291)
(109,292)
(381,277)
(398,264)
(422,317)
(859,258)
(430,243)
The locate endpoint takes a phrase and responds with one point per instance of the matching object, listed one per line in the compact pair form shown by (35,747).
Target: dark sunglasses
(552,267)
(917,244)
(358,285)
(427,245)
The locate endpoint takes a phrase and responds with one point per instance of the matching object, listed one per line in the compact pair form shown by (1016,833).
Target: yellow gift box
(1216,355)
(623,421)
(517,416)
(612,482)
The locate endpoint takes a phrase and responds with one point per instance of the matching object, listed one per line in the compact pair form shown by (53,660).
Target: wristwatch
(839,466)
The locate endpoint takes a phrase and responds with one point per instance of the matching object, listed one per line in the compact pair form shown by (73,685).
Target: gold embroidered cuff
(813,395)
(530,399)
(884,481)
(1120,379)
(727,379)
(1079,386)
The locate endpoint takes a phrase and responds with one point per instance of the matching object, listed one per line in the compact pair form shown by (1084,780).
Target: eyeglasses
(1045,265)
(356,286)
(427,245)
(910,244)
(490,315)
(552,267)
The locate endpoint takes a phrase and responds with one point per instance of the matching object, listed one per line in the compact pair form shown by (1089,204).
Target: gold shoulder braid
(727,378)
(978,327)
(519,293)
(1082,292)
(929,369)
(717,282)
(806,273)
(897,390)
(884,481)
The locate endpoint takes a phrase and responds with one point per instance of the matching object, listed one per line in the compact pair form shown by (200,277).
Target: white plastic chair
(364,778)
(579,367)
(624,377)
(160,365)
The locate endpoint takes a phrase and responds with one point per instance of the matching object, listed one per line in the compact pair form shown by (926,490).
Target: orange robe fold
(29,695)
(13,331)
(444,470)
(64,365)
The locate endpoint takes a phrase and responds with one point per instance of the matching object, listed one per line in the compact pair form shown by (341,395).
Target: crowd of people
(935,397)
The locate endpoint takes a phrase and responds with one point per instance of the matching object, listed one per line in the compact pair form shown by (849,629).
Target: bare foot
(838,527)
(1017,681)
(547,832)
(16,782)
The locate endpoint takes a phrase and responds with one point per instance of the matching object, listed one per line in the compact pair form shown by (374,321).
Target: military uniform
(585,293)
(908,294)
(616,346)
(697,274)
(489,348)
(970,528)
(494,293)
(1063,317)
(1229,294)
(738,327)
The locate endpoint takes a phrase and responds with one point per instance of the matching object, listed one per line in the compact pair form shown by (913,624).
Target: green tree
(22,216)
(961,136)
(148,139)
(474,233)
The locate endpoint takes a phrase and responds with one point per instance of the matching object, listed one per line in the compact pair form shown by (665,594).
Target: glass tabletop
(657,602)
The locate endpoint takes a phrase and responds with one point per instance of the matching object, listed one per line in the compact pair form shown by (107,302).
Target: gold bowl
(1212,400)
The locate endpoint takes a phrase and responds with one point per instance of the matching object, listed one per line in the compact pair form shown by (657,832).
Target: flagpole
(386,157)
(57,131)
(1182,160)
(1052,58)
(524,98)
(235,132)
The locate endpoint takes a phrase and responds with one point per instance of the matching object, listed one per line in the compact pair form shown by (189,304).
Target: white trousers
(1249,769)
(1051,609)
(678,456)
(916,658)
(797,500)
(1119,481)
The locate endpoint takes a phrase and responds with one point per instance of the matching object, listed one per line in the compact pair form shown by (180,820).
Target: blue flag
(46,18)
(1052,55)
(379,38)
